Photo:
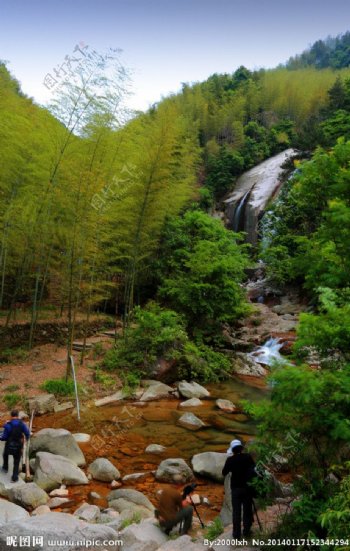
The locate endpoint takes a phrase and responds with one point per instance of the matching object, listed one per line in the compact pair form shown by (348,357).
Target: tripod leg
(256,514)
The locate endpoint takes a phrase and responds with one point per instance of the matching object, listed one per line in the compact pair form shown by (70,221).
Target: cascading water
(238,218)
(269,353)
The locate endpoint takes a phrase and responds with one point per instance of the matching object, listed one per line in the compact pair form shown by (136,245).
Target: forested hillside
(103,211)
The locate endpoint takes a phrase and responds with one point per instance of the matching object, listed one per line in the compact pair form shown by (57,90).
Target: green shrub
(336,517)
(135,519)
(202,363)
(11,400)
(103,378)
(156,333)
(59,387)
(131,381)
(214,529)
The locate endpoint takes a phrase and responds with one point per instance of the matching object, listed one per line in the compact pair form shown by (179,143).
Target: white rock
(55,502)
(90,513)
(191,421)
(10,512)
(59,492)
(192,390)
(116,397)
(209,464)
(102,469)
(57,526)
(29,496)
(41,510)
(58,442)
(51,470)
(174,471)
(81,437)
(155,448)
(191,403)
(43,403)
(156,391)
(225,405)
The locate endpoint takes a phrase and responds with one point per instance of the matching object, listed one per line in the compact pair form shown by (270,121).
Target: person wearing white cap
(241,466)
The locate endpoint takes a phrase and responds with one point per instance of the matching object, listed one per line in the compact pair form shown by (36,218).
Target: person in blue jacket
(14,432)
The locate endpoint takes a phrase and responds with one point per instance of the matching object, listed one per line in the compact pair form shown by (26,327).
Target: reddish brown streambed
(121,433)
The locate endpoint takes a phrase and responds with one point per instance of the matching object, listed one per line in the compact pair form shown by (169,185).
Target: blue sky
(165,42)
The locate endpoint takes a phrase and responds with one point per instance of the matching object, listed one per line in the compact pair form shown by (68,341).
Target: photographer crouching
(174,509)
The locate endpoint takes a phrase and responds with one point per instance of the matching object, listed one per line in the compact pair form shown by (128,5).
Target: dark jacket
(241,466)
(14,430)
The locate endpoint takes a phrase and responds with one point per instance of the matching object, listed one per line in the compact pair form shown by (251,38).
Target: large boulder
(209,464)
(10,512)
(192,390)
(43,403)
(29,496)
(103,470)
(130,502)
(155,391)
(174,470)
(59,442)
(53,470)
(144,536)
(191,421)
(56,528)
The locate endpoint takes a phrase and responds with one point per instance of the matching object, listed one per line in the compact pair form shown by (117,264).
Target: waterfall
(238,218)
(269,353)
(252,192)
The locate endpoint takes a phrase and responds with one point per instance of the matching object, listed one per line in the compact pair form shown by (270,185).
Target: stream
(121,432)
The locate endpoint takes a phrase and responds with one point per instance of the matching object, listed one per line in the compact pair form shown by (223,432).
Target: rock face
(225,405)
(191,421)
(209,464)
(252,192)
(58,527)
(102,469)
(191,403)
(174,470)
(9,512)
(44,403)
(155,391)
(29,496)
(128,502)
(145,536)
(53,470)
(243,364)
(59,442)
(192,390)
